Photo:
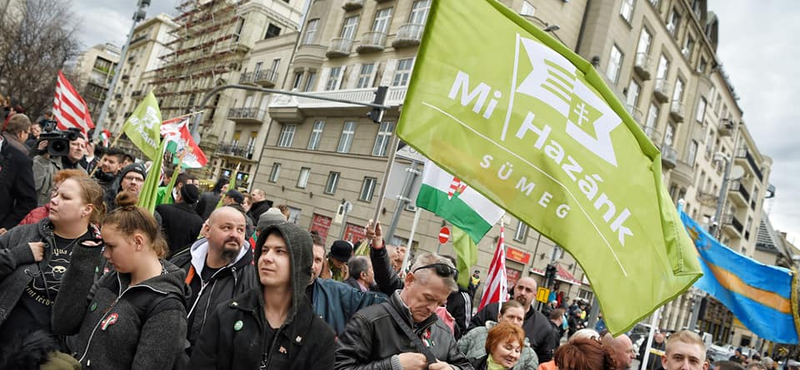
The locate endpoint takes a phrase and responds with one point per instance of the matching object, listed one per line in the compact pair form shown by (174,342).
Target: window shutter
(388,72)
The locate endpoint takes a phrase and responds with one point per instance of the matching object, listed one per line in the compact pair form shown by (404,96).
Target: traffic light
(549,275)
(376,114)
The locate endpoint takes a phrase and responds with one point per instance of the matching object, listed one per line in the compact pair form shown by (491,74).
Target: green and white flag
(530,125)
(143,127)
(451,199)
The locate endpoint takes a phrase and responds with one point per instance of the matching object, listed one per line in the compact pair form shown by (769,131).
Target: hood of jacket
(199,251)
(300,247)
(171,280)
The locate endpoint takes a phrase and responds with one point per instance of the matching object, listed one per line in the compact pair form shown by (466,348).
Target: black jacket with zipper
(120,326)
(227,283)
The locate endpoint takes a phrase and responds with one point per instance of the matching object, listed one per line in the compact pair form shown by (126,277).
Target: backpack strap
(421,348)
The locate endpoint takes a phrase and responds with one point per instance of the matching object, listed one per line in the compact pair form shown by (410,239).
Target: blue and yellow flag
(763,297)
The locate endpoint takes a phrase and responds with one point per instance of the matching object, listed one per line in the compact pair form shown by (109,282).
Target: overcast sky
(756,49)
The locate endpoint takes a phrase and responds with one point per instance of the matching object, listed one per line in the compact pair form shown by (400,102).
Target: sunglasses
(442,269)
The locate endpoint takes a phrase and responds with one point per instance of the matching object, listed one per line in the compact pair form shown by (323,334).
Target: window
(644,42)
(669,134)
(688,47)
(701,181)
(701,110)
(652,117)
(382,18)
(332,183)
(272,31)
(316,135)
(346,140)
(633,96)
(701,68)
(673,22)
(365,76)
(663,67)
(311,31)
(286,136)
(527,9)
(298,78)
(302,179)
(522,232)
(258,67)
(692,153)
(239,28)
(403,72)
(419,12)
(276,64)
(333,79)
(627,10)
(677,96)
(312,79)
(383,139)
(655,3)
(275,173)
(294,215)
(614,64)
(367,189)
(349,27)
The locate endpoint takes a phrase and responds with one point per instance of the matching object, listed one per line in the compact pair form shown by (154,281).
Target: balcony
(340,47)
(739,193)
(676,111)
(233,149)
(661,90)
(732,225)
(651,132)
(372,42)
(293,109)
(636,113)
(744,155)
(725,127)
(266,77)
(136,93)
(352,5)
(246,115)
(126,78)
(642,66)
(246,78)
(669,157)
(118,96)
(707,199)
(408,35)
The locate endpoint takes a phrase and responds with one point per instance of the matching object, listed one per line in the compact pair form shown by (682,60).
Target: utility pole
(723,191)
(138,16)
(403,198)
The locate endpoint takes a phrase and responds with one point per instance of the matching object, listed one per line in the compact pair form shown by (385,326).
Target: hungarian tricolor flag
(496,288)
(69,109)
(176,133)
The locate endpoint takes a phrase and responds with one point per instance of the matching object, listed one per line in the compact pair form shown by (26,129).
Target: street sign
(444,235)
(542,294)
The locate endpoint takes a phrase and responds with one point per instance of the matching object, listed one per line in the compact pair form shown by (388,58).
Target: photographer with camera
(53,146)
(16,178)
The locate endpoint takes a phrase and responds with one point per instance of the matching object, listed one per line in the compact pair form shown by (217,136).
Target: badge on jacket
(108,321)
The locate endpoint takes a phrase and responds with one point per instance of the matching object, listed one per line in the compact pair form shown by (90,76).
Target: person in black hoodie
(134,317)
(272,327)
(208,201)
(181,224)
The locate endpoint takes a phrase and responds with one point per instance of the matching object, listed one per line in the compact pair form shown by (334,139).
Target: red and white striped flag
(69,109)
(496,288)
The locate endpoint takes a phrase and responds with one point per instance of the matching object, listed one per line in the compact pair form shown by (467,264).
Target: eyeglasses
(133,179)
(442,269)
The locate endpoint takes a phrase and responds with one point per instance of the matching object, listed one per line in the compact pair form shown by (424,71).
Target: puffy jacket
(337,302)
(118,325)
(228,282)
(473,345)
(372,338)
(537,329)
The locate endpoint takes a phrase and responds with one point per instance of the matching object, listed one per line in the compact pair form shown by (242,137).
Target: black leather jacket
(371,338)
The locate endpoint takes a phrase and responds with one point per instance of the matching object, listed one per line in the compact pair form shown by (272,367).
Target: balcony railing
(352,5)
(740,190)
(236,150)
(246,78)
(669,156)
(636,113)
(725,127)
(372,42)
(707,199)
(394,97)
(340,47)
(745,154)
(642,65)
(409,34)
(731,220)
(676,110)
(266,77)
(245,114)
(661,90)
(652,133)
(136,93)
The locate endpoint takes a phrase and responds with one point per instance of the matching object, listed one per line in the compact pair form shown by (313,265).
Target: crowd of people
(223,280)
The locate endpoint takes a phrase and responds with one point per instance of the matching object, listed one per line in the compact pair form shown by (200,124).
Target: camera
(57,140)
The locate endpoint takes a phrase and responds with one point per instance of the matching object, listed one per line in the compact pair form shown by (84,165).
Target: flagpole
(653,321)
(389,164)
(407,257)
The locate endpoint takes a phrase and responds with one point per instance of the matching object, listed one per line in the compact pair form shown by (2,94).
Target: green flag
(149,194)
(466,255)
(143,127)
(530,125)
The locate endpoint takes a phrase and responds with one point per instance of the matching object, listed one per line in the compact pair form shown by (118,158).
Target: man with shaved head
(218,267)
(623,350)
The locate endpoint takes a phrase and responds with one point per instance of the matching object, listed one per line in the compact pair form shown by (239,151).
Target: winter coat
(257,208)
(372,338)
(207,204)
(473,345)
(537,329)
(337,302)
(44,169)
(36,215)
(181,225)
(17,265)
(227,283)
(234,337)
(118,325)
(459,305)
(385,276)
(17,190)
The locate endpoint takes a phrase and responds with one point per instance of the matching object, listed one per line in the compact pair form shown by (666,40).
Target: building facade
(94,69)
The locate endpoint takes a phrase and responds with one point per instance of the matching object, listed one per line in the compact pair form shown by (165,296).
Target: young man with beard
(109,167)
(537,326)
(218,267)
